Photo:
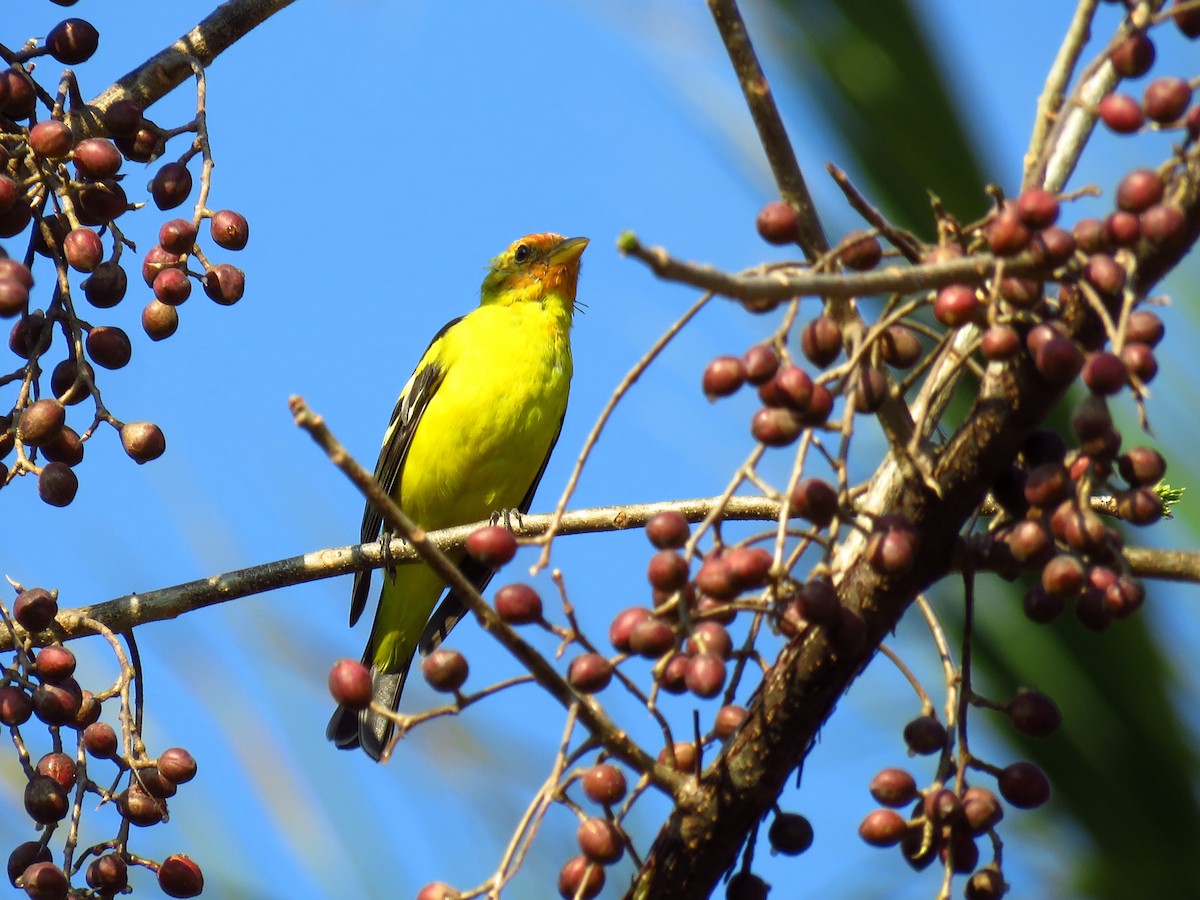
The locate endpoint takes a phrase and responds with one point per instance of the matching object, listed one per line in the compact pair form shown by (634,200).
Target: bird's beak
(567,252)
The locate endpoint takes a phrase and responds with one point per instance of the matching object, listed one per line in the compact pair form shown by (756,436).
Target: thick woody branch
(697,845)
(172,66)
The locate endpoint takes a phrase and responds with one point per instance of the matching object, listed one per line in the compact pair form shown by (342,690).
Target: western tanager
(470,436)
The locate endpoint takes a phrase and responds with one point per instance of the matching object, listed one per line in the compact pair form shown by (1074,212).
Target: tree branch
(771,133)
(785,283)
(170,67)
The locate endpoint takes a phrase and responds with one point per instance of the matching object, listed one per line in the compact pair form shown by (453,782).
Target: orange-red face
(535,265)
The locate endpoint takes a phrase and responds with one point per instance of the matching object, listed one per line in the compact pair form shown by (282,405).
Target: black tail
(350,728)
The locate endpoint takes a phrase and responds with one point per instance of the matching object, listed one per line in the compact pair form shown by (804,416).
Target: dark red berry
(1105,373)
(46,801)
(109,346)
(860,251)
(1163,224)
(821,341)
(57,484)
(777,223)
(100,740)
(45,881)
(144,145)
(179,876)
(106,286)
(723,377)
(956,305)
(35,608)
(97,158)
(1121,113)
(1134,56)
(729,719)
(600,841)
(894,787)
(1166,99)
(177,236)
(883,828)
(24,856)
(16,706)
(518,604)
(604,783)
(225,284)
(776,427)
(60,767)
(123,118)
(1037,208)
(171,185)
(143,441)
(50,139)
(159,321)
(580,879)
(1142,466)
(900,347)
(651,638)
(22,98)
(1122,229)
(981,809)
(589,673)
(1139,190)
(815,500)
(925,735)
(445,670)
(172,287)
(229,229)
(1024,785)
(55,664)
(350,684)
(667,571)
(668,530)
(1188,20)
(108,873)
(621,629)
(705,675)
(1059,360)
(1000,342)
(761,363)
(492,545)
(72,41)
(1006,234)
(1034,714)
(41,421)
(176,765)
(790,834)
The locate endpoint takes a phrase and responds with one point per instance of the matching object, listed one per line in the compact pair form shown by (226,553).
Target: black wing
(396,442)
(451,610)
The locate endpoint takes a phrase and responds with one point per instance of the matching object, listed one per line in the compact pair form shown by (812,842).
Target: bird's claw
(506,516)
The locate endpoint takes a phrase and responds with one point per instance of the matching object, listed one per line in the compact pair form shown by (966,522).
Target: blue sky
(383,153)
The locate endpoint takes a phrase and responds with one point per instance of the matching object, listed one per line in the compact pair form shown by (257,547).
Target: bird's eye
(522,253)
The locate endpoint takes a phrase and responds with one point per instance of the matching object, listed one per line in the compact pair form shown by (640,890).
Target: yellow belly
(479,446)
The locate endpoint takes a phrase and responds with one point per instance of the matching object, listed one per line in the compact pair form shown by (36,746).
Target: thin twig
(591,713)
(771,133)
(782,284)
(1050,102)
(594,435)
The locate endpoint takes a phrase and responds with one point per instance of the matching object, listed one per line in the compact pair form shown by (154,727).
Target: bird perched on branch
(470,436)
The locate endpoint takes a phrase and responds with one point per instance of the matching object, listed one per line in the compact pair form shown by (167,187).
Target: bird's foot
(507,516)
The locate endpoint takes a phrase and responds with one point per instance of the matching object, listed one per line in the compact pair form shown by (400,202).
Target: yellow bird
(470,436)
